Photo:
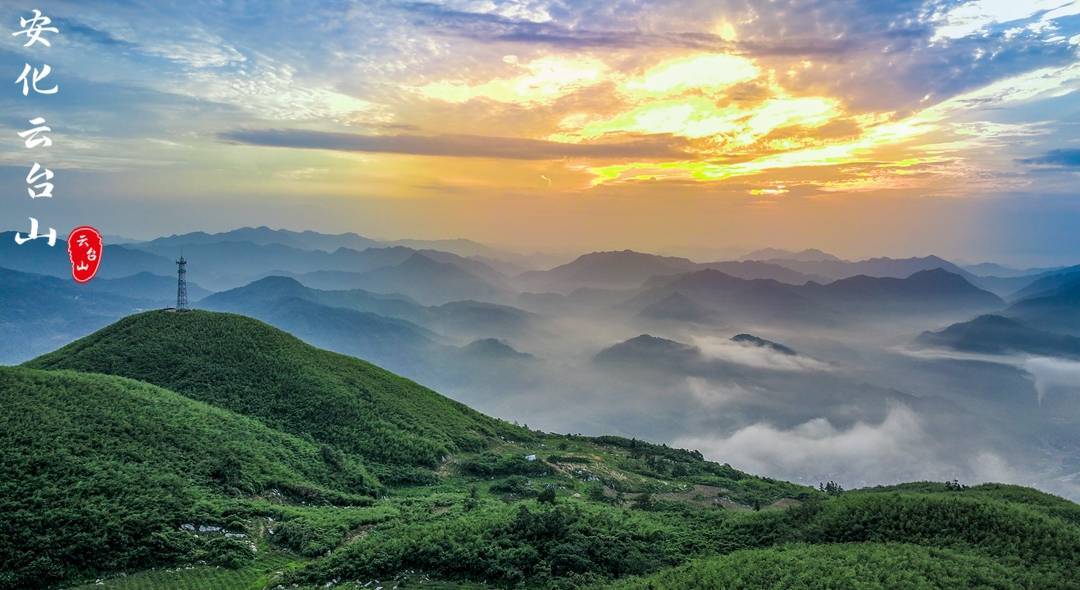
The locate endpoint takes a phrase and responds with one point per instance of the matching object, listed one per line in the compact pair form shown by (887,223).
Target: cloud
(899,448)
(542,80)
(487,26)
(977,16)
(1050,373)
(816,448)
(711,394)
(460,146)
(91,34)
(759,357)
(1064,158)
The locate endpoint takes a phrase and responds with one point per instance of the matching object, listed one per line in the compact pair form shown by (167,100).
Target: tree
(832,488)
(955,486)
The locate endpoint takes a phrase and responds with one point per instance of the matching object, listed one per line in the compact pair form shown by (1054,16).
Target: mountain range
(311,240)
(709,293)
(629,269)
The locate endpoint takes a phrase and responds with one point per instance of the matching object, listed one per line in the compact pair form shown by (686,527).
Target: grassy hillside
(849,566)
(246,366)
(107,470)
(921,537)
(100,472)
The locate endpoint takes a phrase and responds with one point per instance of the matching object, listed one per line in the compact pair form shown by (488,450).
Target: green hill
(100,473)
(246,366)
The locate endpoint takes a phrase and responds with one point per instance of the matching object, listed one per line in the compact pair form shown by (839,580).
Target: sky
(691,127)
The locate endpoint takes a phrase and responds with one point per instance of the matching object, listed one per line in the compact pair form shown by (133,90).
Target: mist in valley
(860,405)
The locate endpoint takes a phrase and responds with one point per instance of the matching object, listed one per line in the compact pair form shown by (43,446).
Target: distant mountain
(751,340)
(493,349)
(629,269)
(680,308)
(605,270)
(304,240)
(39,313)
(1057,310)
(1047,283)
(469,265)
(278,287)
(928,291)
(808,255)
(992,269)
(469,319)
(431,282)
(873,267)
(117,261)
(481,318)
(580,300)
(737,300)
(224,265)
(646,351)
(856,298)
(329,280)
(155,288)
(994,334)
(397,344)
(753,269)
(508,268)
(459,246)
(312,240)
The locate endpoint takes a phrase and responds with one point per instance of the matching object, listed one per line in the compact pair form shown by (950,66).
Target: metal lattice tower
(181,284)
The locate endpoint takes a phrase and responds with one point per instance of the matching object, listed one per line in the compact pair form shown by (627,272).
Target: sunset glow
(504,108)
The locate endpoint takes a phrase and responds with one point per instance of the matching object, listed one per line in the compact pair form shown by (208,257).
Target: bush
(226,552)
(490,464)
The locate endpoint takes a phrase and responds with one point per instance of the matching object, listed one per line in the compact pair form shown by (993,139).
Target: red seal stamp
(84,250)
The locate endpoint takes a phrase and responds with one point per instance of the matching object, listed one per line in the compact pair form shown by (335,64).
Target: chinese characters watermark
(84,243)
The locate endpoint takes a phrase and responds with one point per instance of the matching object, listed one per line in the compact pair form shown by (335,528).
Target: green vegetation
(489,464)
(259,574)
(510,545)
(262,461)
(100,472)
(954,540)
(251,368)
(848,566)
